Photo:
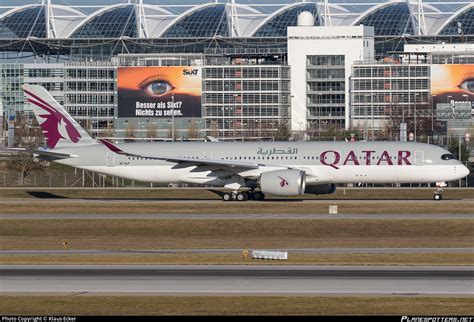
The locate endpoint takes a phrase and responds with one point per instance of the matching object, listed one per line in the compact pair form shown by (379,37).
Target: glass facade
(207,22)
(276,26)
(113,23)
(89,95)
(463,24)
(246,101)
(28,22)
(392,19)
(325,93)
(387,94)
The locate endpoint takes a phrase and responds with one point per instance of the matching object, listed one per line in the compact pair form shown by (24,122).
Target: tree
(352,133)
(192,130)
(26,137)
(170,132)
(214,131)
(130,132)
(282,133)
(151,131)
(453,147)
(109,131)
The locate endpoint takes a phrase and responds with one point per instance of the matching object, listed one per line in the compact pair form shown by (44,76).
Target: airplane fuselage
(322,162)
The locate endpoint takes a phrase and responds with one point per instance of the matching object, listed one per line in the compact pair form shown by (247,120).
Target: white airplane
(277,168)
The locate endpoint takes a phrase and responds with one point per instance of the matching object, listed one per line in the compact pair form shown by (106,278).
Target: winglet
(111,146)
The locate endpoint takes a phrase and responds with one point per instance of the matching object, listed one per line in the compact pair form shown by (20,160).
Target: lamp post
(466,96)
(432,114)
(234,116)
(222,135)
(448,99)
(259,132)
(366,134)
(273,130)
(299,127)
(172,117)
(372,115)
(318,101)
(460,157)
(414,116)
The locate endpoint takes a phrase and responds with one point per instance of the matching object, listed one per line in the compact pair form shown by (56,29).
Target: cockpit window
(447,157)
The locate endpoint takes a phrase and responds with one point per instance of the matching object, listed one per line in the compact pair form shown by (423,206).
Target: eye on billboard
(452,83)
(159,91)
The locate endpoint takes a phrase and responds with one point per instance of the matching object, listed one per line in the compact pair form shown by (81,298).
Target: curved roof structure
(110,22)
(207,21)
(24,22)
(228,18)
(276,24)
(390,19)
(460,24)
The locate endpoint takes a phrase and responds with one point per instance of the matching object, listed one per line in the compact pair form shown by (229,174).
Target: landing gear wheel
(242,196)
(226,197)
(438,196)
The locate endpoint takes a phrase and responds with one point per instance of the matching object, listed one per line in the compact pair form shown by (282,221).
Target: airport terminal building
(235,71)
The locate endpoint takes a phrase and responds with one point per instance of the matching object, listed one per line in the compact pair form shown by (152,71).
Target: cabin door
(110,159)
(419,157)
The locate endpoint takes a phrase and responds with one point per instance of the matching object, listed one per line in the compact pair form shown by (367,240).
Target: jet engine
(321,189)
(283,182)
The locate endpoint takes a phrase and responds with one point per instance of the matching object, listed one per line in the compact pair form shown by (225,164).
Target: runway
(235,216)
(237,280)
(342,250)
(427,201)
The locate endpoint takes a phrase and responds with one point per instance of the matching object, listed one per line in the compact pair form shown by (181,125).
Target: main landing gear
(243,196)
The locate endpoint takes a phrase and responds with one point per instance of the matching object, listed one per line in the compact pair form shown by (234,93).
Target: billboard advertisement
(452,83)
(159,91)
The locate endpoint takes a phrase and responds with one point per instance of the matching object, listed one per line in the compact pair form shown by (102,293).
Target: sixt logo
(283,182)
(187,72)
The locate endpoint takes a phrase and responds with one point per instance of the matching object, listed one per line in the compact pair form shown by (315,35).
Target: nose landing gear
(438,193)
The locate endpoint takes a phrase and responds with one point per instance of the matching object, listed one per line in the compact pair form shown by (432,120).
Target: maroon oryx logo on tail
(283,181)
(55,125)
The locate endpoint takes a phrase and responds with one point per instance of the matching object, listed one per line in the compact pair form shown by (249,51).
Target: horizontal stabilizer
(46,155)
(43,154)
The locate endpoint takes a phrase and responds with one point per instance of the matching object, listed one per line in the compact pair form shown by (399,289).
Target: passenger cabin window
(447,157)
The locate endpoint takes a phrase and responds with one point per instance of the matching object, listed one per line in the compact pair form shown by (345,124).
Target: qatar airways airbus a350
(250,169)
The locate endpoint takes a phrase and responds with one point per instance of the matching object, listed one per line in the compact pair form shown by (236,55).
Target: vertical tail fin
(59,128)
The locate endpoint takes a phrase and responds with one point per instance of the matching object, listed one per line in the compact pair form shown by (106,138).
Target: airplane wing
(234,165)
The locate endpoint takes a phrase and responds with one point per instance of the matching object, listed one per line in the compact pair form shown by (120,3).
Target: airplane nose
(464,171)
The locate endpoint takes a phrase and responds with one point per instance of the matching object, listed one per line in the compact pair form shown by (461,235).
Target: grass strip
(234,305)
(268,207)
(233,233)
(360,259)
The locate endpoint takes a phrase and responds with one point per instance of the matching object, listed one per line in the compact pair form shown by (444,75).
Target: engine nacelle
(321,189)
(283,182)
